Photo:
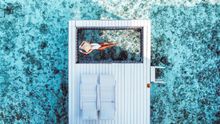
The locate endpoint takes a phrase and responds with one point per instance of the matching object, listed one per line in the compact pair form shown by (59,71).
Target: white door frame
(74,24)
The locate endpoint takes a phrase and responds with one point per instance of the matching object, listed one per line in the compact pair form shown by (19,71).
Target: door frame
(74,24)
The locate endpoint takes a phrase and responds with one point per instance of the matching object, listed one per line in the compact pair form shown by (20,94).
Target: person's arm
(82,52)
(86,53)
(81,44)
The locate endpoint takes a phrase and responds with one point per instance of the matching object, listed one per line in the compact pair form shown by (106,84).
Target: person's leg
(106,45)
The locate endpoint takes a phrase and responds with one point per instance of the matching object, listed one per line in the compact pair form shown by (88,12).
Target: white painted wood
(71,108)
(111,23)
(133,98)
(147,38)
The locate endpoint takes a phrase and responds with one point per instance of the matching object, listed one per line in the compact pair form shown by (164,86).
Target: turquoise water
(34,58)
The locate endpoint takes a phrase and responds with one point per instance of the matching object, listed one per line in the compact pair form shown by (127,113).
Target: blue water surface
(34,57)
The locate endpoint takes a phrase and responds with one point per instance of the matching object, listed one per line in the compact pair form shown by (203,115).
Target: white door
(132,94)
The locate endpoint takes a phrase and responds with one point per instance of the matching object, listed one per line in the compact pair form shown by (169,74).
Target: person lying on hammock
(87,47)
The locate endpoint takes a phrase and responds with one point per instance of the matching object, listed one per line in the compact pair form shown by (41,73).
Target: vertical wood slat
(138,95)
(125,95)
(132,93)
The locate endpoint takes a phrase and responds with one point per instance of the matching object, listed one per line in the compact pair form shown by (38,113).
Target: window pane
(109,45)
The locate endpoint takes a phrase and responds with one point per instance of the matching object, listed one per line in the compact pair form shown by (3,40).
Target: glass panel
(109,45)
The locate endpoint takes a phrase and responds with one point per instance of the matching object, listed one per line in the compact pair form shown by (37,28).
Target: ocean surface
(34,57)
